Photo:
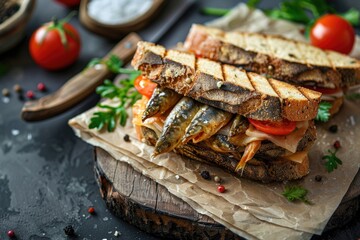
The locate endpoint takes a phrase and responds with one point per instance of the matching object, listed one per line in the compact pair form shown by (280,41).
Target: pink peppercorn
(41,87)
(221,189)
(337,144)
(30,94)
(91,210)
(11,233)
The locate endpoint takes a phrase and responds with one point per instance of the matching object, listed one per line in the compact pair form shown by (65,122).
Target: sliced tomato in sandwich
(283,127)
(328,91)
(144,86)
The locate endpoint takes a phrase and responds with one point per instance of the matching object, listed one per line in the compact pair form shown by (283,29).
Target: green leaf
(352,16)
(323,114)
(219,12)
(3,69)
(332,161)
(114,63)
(253,3)
(296,193)
(353,96)
(125,93)
(93,62)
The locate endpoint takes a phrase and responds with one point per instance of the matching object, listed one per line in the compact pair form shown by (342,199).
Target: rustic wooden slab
(149,206)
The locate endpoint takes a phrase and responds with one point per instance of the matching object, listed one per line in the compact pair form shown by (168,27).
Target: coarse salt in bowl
(117,11)
(114,18)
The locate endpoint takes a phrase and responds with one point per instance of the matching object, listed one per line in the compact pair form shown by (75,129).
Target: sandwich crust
(224,86)
(283,59)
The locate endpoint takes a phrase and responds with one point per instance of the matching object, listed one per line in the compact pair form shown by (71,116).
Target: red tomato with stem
(144,86)
(332,32)
(55,45)
(69,3)
(283,127)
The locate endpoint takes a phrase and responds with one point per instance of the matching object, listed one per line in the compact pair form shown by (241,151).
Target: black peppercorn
(127,138)
(69,230)
(205,175)
(333,128)
(318,178)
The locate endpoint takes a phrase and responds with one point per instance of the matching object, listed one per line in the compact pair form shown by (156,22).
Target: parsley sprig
(300,11)
(296,193)
(332,161)
(323,114)
(125,93)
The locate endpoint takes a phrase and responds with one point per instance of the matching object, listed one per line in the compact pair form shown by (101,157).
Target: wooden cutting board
(149,206)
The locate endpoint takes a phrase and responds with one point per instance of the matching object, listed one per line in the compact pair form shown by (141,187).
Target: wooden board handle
(79,86)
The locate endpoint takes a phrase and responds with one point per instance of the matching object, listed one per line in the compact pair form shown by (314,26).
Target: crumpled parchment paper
(250,209)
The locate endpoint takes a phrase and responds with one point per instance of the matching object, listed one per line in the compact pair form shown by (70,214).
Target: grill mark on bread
(284,59)
(249,94)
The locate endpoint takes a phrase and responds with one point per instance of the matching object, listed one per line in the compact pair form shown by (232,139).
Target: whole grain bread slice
(283,59)
(225,86)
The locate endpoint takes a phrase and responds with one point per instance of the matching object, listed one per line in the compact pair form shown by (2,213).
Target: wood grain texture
(149,206)
(78,87)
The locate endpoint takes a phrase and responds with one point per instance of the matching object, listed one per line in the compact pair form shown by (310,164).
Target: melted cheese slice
(289,142)
(298,157)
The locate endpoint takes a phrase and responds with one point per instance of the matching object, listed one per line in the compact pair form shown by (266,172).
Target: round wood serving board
(152,208)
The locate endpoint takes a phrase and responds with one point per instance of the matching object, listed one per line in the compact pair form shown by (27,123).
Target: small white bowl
(12,29)
(117,31)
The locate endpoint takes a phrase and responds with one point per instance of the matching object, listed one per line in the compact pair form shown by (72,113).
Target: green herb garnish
(253,3)
(219,12)
(296,193)
(353,96)
(323,114)
(300,11)
(125,93)
(3,69)
(332,161)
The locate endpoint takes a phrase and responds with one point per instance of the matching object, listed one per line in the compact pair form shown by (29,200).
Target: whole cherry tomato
(55,45)
(69,3)
(332,32)
(144,86)
(283,127)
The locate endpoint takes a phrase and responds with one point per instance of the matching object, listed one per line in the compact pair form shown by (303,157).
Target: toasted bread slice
(225,86)
(283,59)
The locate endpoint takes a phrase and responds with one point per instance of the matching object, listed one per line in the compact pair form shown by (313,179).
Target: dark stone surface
(46,173)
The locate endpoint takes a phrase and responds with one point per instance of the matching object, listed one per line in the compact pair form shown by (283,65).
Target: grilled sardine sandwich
(287,60)
(256,127)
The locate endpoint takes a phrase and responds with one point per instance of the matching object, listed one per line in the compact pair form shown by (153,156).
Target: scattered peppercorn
(11,233)
(91,210)
(318,178)
(5,92)
(205,175)
(217,179)
(337,144)
(30,94)
(17,88)
(41,87)
(221,189)
(69,230)
(21,97)
(333,128)
(127,138)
